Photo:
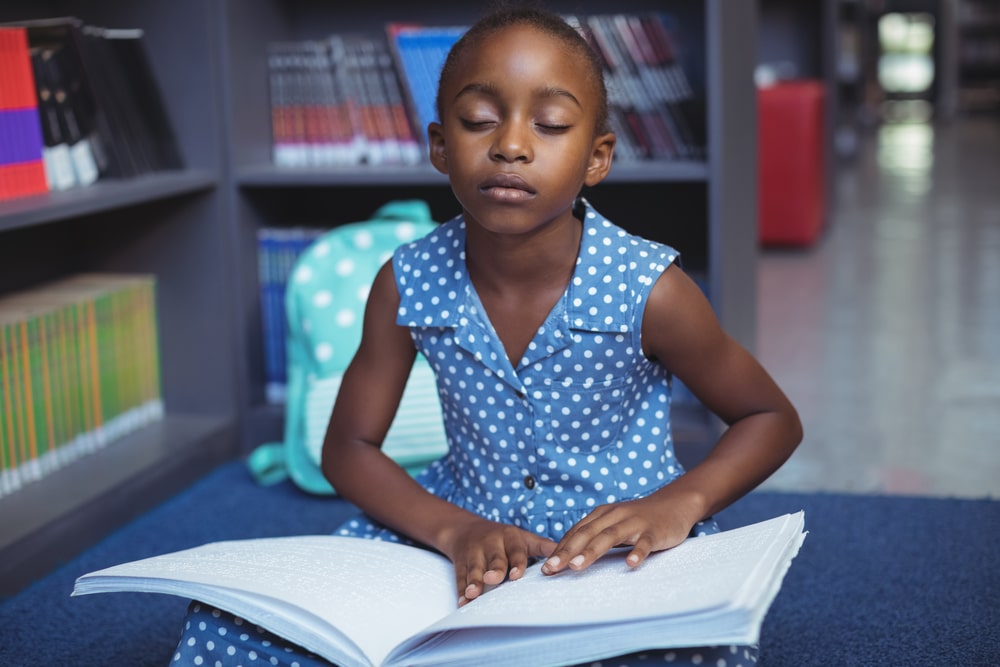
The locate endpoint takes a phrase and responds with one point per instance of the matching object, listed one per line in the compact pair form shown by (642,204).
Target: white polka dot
(322,299)
(323,351)
(346,317)
(344,267)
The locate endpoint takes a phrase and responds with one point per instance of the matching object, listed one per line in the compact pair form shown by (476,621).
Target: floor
(886,334)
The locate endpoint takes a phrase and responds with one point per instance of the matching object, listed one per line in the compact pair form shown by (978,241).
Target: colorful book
(419,53)
(22,166)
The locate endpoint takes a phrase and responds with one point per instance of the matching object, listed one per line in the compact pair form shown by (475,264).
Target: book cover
(360,603)
(145,101)
(22,168)
(55,155)
(419,53)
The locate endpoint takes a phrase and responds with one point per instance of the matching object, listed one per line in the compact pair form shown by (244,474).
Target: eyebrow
(491,90)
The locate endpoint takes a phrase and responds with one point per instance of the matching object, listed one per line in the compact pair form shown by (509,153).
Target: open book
(360,602)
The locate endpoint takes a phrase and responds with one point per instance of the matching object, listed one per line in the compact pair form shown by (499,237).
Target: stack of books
(96,110)
(79,368)
(367,99)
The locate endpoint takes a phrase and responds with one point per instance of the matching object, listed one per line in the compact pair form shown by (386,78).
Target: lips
(506,186)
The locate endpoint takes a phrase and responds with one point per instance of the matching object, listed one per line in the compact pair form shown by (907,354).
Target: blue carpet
(879,581)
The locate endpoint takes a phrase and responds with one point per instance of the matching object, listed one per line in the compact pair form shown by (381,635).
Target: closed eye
(470,124)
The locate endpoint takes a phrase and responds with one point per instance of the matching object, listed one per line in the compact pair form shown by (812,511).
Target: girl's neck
(541,260)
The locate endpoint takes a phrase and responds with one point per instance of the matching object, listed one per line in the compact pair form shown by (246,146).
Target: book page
(704,579)
(375,593)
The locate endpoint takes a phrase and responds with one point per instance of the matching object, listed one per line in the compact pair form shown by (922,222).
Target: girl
(553,335)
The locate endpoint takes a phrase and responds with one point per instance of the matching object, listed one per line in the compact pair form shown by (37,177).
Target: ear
(435,136)
(601,155)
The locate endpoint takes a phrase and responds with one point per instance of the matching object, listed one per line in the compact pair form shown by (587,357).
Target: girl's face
(517,131)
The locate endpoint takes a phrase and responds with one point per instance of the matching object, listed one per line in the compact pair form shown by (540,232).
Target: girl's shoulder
(606,241)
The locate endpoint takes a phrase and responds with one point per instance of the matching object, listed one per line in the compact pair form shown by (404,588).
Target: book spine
(22,166)
(315,136)
(344,64)
(323,103)
(53,430)
(31,405)
(378,98)
(420,53)
(280,112)
(621,111)
(55,156)
(9,477)
(80,153)
(266,241)
(62,426)
(409,147)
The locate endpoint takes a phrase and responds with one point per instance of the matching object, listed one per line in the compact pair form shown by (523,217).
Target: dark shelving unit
(169,224)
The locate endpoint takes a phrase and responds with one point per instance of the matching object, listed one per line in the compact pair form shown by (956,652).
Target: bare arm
(482,551)
(681,331)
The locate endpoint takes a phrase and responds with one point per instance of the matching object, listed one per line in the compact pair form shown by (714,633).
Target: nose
(512,142)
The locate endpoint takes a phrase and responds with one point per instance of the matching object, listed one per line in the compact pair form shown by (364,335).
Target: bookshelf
(978,56)
(706,208)
(196,229)
(170,224)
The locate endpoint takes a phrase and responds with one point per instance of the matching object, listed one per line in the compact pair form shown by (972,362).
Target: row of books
(336,102)
(368,98)
(278,248)
(83,105)
(79,368)
(654,111)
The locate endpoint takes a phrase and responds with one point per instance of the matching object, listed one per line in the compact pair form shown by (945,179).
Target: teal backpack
(324,302)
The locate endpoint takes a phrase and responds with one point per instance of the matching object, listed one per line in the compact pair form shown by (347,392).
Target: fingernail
(551,564)
(462,600)
(577,561)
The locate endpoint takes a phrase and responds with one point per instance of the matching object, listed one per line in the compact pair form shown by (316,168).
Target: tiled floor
(886,335)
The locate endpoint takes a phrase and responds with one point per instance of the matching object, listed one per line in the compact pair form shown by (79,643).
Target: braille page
(364,596)
(714,586)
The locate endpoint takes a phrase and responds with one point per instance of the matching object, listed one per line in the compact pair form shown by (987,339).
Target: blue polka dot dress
(582,419)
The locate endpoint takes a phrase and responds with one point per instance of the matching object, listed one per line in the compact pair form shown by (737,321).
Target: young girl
(553,335)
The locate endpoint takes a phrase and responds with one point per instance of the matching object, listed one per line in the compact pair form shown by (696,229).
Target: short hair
(544,21)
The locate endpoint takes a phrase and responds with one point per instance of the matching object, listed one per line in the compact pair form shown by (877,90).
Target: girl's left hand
(647,524)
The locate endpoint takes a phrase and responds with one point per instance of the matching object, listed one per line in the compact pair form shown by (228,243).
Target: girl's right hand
(485,553)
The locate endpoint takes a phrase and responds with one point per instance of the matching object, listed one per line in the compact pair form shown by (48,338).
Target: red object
(791,163)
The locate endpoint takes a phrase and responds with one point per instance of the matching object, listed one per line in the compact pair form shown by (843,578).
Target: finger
(535,547)
(473,585)
(642,548)
(461,582)
(585,543)
(496,570)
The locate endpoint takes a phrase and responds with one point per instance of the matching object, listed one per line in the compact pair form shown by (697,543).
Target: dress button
(529,482)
